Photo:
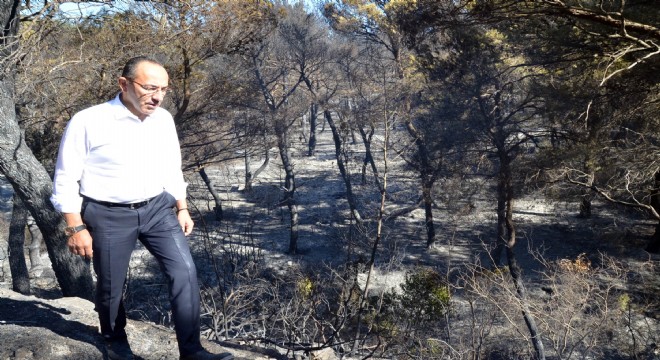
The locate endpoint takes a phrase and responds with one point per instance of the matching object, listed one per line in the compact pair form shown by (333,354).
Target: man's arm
(66,197)
(69,168)
(79,243)
(183,214)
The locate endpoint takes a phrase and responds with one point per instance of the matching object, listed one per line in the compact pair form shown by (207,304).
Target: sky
(78,9)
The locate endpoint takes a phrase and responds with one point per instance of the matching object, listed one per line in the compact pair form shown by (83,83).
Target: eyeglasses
(151,89)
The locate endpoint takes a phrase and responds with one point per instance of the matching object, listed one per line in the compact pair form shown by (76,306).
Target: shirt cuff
(72,205)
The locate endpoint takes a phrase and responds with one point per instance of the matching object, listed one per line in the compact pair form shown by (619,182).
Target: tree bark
(249,175)
(336,137)
(585,204)
(247,160)
(426,174)
(500,242)
(368,157)
(33,185)
(618,23)
(374,248)
(587,194)
(217,209)
(516,276)
(654,245)
(289,189)
(27,176)
(313,121)
(428,214)
(504,198)
(35,245)
(20,278)
(514,268)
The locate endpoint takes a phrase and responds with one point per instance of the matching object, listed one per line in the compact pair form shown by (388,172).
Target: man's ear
(123,83)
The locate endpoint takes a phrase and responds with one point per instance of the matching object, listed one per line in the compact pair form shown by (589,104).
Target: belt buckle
(138,205)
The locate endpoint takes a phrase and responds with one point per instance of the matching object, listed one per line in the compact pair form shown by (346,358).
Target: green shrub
(425,295)
(305,287)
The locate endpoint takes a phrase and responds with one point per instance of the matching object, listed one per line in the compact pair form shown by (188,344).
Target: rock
(67,328)
(325,354)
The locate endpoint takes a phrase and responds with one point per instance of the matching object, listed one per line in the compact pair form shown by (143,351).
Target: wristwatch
(71,230)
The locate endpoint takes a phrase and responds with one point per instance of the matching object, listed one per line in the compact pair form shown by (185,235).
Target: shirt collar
(121,111)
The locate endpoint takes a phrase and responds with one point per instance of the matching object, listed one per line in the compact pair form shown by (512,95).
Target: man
(118,179)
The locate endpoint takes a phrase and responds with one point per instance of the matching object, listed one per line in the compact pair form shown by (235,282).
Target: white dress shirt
(108,154)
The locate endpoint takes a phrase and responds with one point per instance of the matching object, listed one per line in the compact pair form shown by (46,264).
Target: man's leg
(161,234)
(114,234)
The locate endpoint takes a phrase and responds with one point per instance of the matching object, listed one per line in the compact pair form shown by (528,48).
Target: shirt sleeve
(68,170)
(174,182)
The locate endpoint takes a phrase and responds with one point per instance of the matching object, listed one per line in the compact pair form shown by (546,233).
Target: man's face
(144,93)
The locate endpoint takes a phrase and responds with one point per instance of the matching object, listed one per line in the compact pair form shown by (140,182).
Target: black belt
(136,205)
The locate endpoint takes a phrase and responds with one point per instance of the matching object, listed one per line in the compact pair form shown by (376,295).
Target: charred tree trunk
(31,182)
(217,209)
(516,276)
(428,211)
(289,189)
(426,174)
(500,242)
(20,278)
(587,195)
(654,245)
(368,156)
(28,177)
(313,121)
(506,195)
(336,136)
(585,204)
(249,176)
(35,246)
(376,244)
(248,171)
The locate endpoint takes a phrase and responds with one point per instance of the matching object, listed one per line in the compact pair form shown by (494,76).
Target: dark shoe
(205,355)
(118,349)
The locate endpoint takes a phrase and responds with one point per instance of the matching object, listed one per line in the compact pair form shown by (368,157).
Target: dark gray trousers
(115,231)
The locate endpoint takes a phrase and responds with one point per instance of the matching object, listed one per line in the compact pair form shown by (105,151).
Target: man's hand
(80,243)
(185,221)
